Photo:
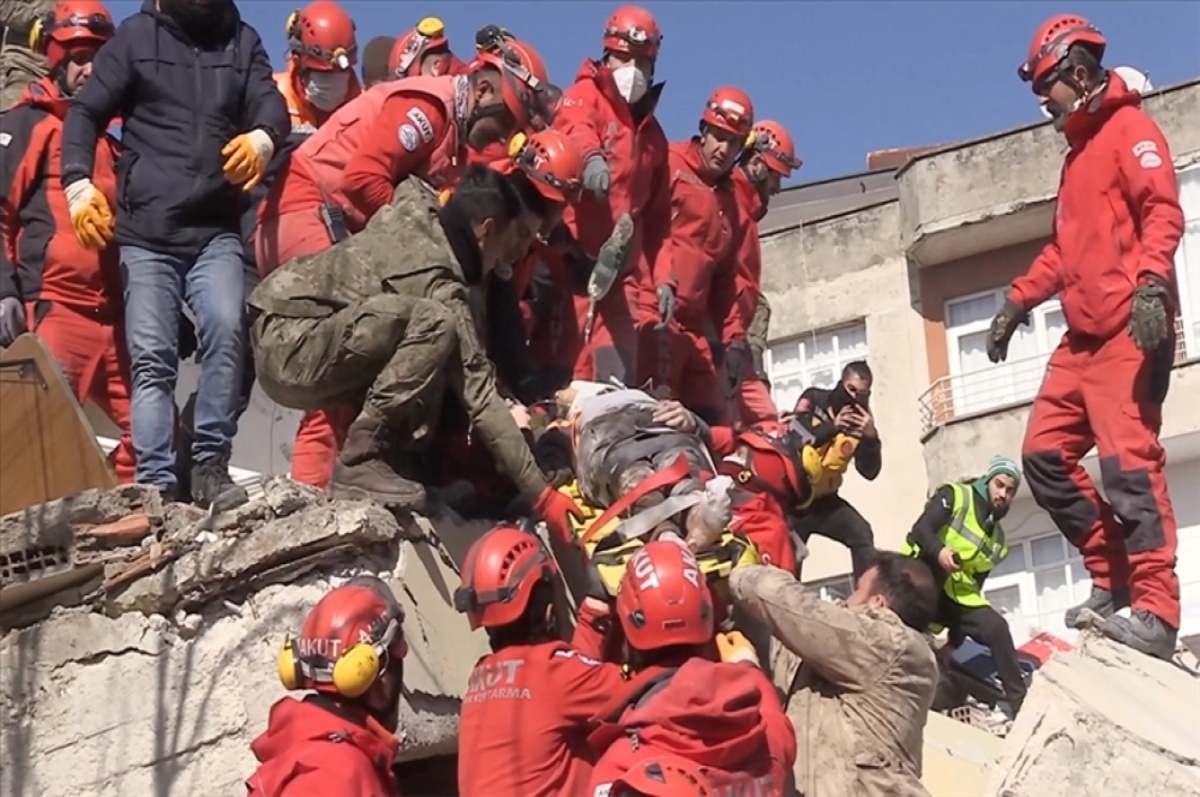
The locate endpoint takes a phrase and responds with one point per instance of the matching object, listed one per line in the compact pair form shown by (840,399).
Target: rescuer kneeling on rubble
(866,674)
(960,538)
(340,739)
(387,314)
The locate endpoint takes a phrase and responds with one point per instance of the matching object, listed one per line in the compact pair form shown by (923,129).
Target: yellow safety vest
(826,466)
(979,550)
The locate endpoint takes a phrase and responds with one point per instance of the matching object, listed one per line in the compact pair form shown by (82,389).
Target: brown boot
(362,471)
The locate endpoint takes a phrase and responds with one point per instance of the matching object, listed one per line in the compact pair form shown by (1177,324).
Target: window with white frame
(1041,578)
(813,360)
(978,385)
(1187,260)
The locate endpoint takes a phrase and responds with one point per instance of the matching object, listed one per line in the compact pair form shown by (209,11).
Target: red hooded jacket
(1118,217)
(748,251)
(308,750)
(40,258)
(595,115)
(725,717)
(699,257)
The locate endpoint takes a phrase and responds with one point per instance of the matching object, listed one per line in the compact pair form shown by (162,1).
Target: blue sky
(844,77)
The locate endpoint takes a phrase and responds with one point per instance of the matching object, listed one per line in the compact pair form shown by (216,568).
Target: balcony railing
(996,386)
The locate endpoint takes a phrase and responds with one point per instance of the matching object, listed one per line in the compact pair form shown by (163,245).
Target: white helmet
(1137,81)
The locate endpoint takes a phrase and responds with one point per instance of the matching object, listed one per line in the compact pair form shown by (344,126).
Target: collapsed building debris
(141,644)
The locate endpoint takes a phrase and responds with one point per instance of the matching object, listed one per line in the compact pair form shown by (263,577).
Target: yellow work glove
(247,157)
(734,647)
(91,217)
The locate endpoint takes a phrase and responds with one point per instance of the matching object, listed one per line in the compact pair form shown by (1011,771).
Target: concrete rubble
(141,639)
(152,671)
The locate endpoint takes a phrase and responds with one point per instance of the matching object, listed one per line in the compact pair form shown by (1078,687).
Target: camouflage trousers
(392,353)
(757,334)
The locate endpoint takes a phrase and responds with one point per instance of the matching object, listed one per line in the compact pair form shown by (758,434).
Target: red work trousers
(1099,393)
(322,433)
(681,359)
(281,238)
(760,518)
(96,364)
(753,402)
(612,351)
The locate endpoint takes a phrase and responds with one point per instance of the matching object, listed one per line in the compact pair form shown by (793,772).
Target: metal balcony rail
(996,386)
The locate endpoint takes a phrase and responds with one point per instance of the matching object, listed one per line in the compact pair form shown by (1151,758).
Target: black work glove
(1149,323)
(593,585)
(596,177)
(12,320)
(1004,326)
(666,305)
(188,342)
(736,357)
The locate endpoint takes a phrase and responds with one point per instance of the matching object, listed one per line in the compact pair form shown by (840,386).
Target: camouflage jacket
(862,686)
(404,250)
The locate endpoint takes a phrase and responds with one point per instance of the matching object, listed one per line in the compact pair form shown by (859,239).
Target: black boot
(1144,632)
(1101,602)
(212,488)
(362,470)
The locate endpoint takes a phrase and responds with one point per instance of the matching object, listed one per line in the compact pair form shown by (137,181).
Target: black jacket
(180,102)
(816,410)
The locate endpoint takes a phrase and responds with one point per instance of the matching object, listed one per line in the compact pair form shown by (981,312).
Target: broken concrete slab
(1104,720)
(957,757)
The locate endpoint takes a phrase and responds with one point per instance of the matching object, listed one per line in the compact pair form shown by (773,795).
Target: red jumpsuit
(545,283)
(759,498)
(308,750)
(698,260)
(599,120)
(73,295)
(754,402)
(1118,218)
(525,718)
(356,160)
(725,717)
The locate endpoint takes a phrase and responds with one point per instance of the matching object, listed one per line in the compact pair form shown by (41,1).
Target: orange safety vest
(300,113)
(325,154)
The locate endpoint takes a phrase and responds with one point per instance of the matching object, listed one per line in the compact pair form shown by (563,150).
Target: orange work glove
(91,217)
(247,157)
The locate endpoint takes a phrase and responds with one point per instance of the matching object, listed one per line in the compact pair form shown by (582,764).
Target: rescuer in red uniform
(1112,263)
(609,111)
(696,273)
(340,176)
(322,52)
(341,739)
(58,278)
(424,50)
(771,159)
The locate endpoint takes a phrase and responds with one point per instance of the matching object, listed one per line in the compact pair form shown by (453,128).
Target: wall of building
(845,269)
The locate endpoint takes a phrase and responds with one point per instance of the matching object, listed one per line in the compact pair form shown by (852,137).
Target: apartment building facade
(905,269)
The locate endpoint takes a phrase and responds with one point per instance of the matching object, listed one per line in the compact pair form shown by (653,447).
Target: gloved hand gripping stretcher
(637,480)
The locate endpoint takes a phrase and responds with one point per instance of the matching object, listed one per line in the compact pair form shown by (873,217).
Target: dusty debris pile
(141,639)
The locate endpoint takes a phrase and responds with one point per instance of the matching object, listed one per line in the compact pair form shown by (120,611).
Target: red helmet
(409,51)
(775,145)
(499,574)
(346,640)
(72,23)
(634,31)
(1051,43)
(663,599)
(664,776)
(552,160)
(731,110)
(321,37)
(523,78)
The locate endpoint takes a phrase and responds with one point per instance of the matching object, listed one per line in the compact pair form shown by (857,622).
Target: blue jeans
(156,286)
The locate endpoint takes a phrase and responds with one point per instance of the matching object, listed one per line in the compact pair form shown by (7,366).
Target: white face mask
(326,90)
(631,82)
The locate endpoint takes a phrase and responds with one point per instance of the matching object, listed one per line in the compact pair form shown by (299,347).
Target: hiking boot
(362,471)
(1101,602)
(213,489)
(1142,631)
